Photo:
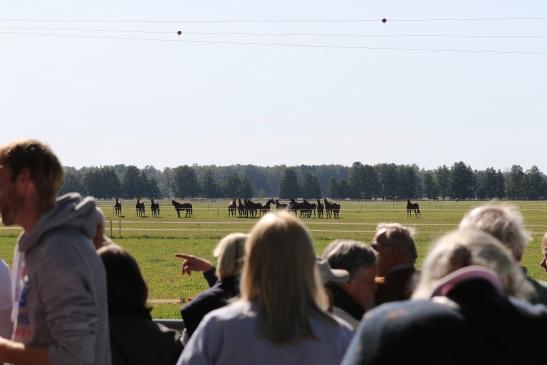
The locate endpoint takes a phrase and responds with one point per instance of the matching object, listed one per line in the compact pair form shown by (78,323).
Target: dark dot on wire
(384,20)
(179,32)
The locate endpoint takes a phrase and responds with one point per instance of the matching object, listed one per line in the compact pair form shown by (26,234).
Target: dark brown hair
(45,169)
(127,290)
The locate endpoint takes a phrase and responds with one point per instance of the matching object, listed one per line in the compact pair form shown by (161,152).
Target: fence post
(111,228)
(120,227)
(218,212)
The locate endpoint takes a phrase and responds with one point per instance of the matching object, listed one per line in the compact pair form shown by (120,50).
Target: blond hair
(229,253)
(45,169)
(466,247)
(503,222)
(281,275)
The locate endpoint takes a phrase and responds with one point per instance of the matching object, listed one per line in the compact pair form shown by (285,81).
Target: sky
(315,88)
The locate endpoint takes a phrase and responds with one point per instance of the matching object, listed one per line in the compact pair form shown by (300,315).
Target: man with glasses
(397,255)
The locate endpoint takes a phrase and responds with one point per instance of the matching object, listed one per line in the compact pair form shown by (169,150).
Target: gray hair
(466,247)
(400,235)
(503,222)
(349,255)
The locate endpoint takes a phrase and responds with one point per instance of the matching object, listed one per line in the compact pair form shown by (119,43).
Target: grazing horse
(155,208)
(187,207)
(139,207)
(320,209)
(412,207)
(232,208)
(117,208)
(332,209)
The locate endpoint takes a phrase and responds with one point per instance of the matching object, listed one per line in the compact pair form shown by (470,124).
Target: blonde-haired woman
(281,317)
(464,311)
(225,285)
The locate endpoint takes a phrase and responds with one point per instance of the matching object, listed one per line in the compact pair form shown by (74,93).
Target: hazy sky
(98,100)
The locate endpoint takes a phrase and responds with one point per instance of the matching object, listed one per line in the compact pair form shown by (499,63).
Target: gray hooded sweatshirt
(63,304)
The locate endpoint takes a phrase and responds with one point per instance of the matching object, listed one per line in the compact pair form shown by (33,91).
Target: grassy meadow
(154,241)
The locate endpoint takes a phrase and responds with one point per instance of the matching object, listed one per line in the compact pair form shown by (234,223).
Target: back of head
(127,291)
(501,221)
(349,255)
(281,275)
(467,247)
(45,169)
(230,252)
(402,236)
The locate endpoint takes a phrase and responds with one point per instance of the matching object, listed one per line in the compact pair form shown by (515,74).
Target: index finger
(184,255)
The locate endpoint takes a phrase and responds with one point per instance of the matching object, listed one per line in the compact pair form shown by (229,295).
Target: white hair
(503,222)
(466,247)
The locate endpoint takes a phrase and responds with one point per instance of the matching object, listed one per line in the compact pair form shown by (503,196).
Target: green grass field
(154,241)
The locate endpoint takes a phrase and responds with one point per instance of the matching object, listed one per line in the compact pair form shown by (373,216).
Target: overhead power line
(269,44)
(386,19)
(349,35)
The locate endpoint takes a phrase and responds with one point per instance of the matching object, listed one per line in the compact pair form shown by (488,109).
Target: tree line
(359,181)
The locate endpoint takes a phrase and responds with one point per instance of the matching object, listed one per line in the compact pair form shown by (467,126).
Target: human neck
(33,210)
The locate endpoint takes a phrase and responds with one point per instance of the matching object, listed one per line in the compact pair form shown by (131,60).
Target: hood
(71,211)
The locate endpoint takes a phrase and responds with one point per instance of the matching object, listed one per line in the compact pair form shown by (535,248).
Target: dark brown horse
(117,208)
(332,209)
(413,207)
(155,208)
(187,207)
(232,208)
(139,208)
(320,209)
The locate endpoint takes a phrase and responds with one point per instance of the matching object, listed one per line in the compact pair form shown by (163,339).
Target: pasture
(155,240)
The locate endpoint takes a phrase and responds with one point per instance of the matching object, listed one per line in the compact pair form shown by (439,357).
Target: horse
(252,208)
(139,208)
(232,208)
(294,206)
(320,209)
(117,208)
(412,207)
(279,205)
(307,209)
(266,207)
(187,207)
(155,208)
(332,209)
(240,208)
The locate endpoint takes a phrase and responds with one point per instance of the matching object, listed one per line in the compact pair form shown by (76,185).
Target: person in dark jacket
(464,311)
(135,339)
(396,257)
(229,253)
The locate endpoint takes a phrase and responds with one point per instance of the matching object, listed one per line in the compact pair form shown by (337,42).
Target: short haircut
(402,236)
(230,252)
(349,255)
(467,247)
(45,169)
(502,221)
(126,288)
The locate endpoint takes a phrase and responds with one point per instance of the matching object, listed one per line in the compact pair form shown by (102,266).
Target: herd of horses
(250,209)
(305,209)
(140,208)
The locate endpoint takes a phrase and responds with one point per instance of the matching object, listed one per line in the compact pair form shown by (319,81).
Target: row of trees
(358,181)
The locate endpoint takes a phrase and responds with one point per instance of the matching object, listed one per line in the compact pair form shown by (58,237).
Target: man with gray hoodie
(62,313)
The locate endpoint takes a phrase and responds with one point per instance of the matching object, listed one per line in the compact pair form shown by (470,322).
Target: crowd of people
(73,296)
